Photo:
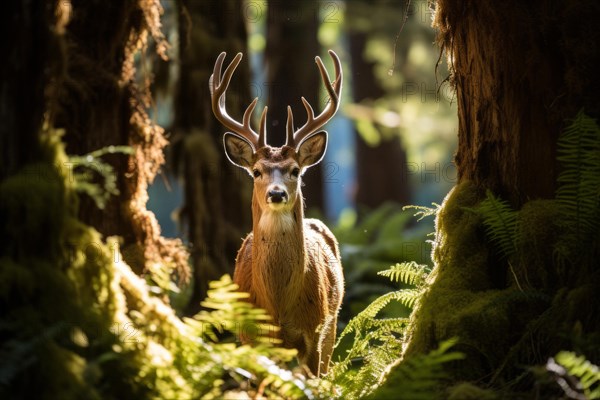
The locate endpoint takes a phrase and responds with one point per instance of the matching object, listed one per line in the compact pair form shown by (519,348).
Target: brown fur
(291,266)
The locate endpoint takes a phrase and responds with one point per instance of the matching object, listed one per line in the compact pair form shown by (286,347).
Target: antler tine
(218,88)
(289,129)
(334,90)
(248,113)
(262,136)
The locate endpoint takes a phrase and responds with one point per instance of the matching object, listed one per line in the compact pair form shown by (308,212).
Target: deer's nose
(277,196)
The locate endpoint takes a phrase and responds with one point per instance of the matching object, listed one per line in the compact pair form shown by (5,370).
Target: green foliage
(378,342)
(577,201)
(78,323)
(579,184)
(408,272)
(469,391)
(84,178)
(58,293)
(527,275)
(228,306)
(419,377)
(578,195)
(579,378)
(378,239)
(229,313)
(500,222)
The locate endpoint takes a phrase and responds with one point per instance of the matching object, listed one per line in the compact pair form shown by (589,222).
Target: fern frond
(375,364)
(578,193)
(229,312)
(575,374)
(423,211)
(388,325)
(359,323)
(500,222)
(419,377)
(410,273)
(83,174)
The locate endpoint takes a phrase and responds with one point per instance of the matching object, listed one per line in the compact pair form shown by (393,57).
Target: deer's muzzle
(277,196)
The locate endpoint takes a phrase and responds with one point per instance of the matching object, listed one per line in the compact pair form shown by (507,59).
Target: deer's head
(277,171)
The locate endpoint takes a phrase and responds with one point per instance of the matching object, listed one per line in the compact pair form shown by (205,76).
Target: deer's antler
(313,123)
(218,87)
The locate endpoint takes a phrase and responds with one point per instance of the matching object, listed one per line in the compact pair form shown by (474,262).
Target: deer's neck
(278,255)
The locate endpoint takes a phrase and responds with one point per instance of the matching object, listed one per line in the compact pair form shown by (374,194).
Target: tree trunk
(520,70)
(217,194)
(291,49)
(99,104)
(29,41)
(518,77)
(371,191)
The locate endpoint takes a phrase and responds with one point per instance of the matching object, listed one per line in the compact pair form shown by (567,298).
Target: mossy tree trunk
(292,45)
(521,70)
(217,194)
(53,288)
(99,104)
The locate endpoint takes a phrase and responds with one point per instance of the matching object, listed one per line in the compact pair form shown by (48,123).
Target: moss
(24,218)
(460,249)
(457,273)
(63,375)
(57,291)
(468,391)
(466,299)
(539,223)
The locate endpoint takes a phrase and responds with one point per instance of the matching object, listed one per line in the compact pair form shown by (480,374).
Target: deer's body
(290,265)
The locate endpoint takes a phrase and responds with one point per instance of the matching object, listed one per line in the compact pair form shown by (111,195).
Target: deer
(290,265)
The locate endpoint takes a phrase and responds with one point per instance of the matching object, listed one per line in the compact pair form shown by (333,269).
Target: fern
(83,181)
(410,273)
(579,182)
(377,342)
(419,377)
(500,222)
(579,378)
(198,352)
(358,323)
(376,347)
(230,313)
(375,363)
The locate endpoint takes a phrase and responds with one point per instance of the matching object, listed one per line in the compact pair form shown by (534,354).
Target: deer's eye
(256,173)
(295,172)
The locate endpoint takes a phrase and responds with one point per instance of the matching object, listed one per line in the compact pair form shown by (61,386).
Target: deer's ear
(238,150)
(311,151)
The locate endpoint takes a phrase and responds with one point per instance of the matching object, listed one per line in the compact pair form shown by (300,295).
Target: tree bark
(291,73)
(519,74)
(99,104)
(521,70)
(29,41)
(217,194)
